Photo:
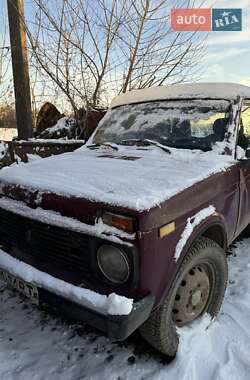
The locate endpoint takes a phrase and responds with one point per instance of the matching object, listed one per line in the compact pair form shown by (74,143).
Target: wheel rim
(192,296)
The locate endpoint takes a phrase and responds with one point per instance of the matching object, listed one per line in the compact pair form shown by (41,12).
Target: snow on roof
(183,91)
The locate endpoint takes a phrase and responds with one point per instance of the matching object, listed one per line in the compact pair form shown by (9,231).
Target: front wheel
(198,288)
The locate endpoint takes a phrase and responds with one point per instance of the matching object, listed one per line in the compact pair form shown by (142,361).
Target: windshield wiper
(145,142)
(100,145)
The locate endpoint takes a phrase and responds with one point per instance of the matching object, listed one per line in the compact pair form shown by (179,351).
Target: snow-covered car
(130,231)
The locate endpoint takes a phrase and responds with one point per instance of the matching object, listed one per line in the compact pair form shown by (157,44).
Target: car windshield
(188,124)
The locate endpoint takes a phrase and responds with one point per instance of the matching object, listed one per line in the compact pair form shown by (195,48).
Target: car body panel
(226,189)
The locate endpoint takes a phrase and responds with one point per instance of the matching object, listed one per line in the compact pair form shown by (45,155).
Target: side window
(244,131)
(205,126)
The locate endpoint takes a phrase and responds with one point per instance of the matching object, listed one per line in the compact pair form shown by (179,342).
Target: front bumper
(117,327)
(76,302)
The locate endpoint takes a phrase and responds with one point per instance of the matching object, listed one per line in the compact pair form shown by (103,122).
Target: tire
(204,269)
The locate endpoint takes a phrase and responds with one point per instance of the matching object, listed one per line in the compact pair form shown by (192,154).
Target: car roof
(228,91)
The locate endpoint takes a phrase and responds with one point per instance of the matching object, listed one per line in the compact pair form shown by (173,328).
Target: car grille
(55,248)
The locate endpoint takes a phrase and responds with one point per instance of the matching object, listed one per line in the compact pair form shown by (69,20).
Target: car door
(243,144)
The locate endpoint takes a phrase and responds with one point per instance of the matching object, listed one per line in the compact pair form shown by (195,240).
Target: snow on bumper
(112,304)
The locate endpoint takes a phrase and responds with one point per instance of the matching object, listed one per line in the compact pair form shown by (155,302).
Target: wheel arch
(214,228)
(216,231)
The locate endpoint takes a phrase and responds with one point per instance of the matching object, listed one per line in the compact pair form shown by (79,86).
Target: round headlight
(113,263)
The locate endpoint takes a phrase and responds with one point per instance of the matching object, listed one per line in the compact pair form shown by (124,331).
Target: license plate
(29,290)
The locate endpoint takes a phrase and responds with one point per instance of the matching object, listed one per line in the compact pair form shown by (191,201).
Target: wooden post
(20,68)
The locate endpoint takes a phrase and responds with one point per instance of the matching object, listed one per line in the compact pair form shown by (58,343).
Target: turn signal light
(121,222)
(167,229)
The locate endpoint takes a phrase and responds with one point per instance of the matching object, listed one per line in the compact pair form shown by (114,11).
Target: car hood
(134,178)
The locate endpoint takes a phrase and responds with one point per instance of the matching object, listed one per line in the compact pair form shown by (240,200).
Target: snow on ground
(36,345)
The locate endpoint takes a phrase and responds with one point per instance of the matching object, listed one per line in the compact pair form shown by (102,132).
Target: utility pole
(20,68)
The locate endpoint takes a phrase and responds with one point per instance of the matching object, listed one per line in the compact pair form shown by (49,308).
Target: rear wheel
(198,288)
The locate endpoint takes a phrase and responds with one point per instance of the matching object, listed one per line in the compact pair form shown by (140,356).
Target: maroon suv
(131,229)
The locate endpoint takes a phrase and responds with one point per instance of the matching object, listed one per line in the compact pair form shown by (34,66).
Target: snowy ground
(36,345)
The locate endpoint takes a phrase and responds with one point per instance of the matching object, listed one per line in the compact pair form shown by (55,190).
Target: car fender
(198,231)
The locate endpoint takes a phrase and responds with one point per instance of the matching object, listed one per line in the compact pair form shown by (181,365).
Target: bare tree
(74,46)
(154,54)
(89,51)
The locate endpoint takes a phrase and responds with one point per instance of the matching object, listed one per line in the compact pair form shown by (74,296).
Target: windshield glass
(190,124)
